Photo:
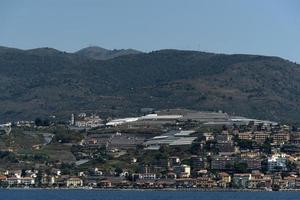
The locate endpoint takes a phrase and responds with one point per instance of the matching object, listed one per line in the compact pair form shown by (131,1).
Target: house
(290,182)
(91,182)
(48,180)
(145,183)
(165,183)
(27,181)
(13,181)
(185,182)
(225,179)
(20,181)
(297,182)
(61,181)
(146,176)
(277,179)
(74,182)
(105,183)
(241,180)
(260,181)
(173,161)
(205,182)
(2,178)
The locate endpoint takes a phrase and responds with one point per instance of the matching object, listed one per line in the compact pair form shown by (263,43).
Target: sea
(47,194)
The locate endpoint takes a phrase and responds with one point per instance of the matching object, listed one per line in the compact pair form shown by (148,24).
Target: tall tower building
(72,119)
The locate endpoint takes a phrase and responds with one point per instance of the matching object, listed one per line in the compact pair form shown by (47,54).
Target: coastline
(151,189)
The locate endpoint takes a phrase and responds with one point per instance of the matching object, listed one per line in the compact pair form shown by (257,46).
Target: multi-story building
(84,121)
(20,181)
(225,179)
(173,161)
(295,138)
(226,148)
(261,137)
(223,138)
(260,181)
(74,182)
(205,182)
(277,162)
(241,180)
(252,163)
(198,163)
(182,171)
(221,162)
(281,138)
(146,176)
(245,136)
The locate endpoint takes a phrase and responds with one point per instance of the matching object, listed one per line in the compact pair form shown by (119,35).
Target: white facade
(84,121)
(277,162)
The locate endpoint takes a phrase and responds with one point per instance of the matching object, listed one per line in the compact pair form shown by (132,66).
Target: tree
(38,122)
(245,144)
(240,167)
(266,146)
(118,171)
(39,178)
(23,173)
(291,166)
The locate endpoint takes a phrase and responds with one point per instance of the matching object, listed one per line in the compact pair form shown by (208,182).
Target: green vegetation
(99,53)
(66,136)
(42,82)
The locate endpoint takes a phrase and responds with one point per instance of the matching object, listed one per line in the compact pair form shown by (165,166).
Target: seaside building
(277,162)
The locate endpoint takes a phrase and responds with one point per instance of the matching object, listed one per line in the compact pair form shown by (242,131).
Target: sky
(266,27)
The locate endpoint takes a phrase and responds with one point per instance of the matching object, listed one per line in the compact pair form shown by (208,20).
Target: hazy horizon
(229,27)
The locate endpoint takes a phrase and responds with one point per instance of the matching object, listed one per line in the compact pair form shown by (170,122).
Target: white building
(20,181)
(277,162)
(182,171)
(84,121)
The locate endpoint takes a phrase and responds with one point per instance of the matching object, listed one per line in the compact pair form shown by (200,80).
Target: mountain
(42,82)
(99,53)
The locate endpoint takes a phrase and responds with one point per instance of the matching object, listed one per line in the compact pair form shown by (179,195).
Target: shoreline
(152,189)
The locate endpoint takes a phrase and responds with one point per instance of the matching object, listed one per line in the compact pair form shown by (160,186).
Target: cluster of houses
(84,120)
(32,178)
(230,153)
(200,173)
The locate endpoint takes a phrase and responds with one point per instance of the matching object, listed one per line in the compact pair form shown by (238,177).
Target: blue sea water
(142,195)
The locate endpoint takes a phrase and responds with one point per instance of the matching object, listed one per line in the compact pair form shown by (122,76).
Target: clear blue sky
(269,27)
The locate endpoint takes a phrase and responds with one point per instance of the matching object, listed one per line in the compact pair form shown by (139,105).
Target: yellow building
(74,182)
(225,179)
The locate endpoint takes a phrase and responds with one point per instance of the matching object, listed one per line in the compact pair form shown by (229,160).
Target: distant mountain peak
(45,50)
(99,53)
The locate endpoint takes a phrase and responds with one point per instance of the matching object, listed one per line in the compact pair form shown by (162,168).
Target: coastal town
(165,149)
